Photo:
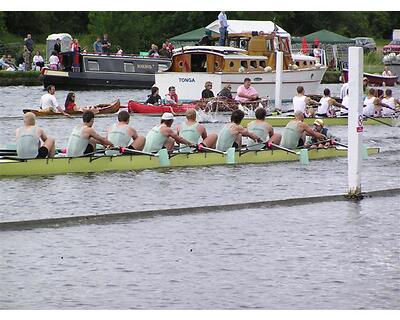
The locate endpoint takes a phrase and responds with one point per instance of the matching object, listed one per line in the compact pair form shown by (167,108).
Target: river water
(333,255)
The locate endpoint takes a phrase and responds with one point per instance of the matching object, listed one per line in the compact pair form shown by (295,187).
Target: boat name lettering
(144,66)
(187,80)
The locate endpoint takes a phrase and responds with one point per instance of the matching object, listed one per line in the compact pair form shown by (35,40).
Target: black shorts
(42,153)
(301,143)
(89,149)
(235,145)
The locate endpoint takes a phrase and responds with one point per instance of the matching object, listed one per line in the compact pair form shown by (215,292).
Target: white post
(278,80)
(355,120)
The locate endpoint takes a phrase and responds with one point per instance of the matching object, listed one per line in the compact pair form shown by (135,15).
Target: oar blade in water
(304,159)
(230,156)
(163,157)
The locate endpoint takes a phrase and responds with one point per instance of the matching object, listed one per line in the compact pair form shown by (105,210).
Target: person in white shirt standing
(223,27)
(49,102)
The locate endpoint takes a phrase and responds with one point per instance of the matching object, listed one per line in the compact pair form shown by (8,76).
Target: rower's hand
(259,140)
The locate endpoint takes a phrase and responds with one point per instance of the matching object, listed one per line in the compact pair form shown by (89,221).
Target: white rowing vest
(387,112)
(345,102)
(299,104)
(28,143)
(76,143)
(119,135)
(369,109)
(323,108)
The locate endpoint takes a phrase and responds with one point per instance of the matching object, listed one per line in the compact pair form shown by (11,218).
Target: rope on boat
(126,216)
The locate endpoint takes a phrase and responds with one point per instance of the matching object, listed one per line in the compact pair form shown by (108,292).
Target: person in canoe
(84,138)
(154,98)
(312,142)
(70,105)
(325,108)
(171,97)
(48,101)
(32,141)
(232,133)
(122,135)
(163,136)
(263,130)
(192,131)
(301,101)
(295,132)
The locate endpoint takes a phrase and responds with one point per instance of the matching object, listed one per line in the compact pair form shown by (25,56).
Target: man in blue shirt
(223,27)
(97,46)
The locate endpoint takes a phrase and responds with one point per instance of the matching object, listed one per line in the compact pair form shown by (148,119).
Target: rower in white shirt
(388,101)
(300,102)
(371,104)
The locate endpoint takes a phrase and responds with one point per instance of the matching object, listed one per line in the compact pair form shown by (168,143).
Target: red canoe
(374,79)
(137,107)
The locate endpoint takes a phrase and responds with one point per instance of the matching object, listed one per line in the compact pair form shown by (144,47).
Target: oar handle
(334,142)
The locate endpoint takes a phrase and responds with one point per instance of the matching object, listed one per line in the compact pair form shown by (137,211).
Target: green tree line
(135,31)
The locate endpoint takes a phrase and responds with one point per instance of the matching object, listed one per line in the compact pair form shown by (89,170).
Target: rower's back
(28,142)
(291,135)
(260,128)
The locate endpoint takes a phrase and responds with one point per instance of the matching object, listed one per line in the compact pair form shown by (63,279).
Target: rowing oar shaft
(201,147)
(270,144)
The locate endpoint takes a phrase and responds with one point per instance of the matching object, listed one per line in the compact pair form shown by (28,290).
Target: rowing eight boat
(100,163)
(282,121)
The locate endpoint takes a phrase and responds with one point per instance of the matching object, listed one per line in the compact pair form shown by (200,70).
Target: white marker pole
(355,120)
(278,80)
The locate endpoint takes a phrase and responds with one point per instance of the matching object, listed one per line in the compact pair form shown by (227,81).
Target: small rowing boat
(152,110)
(375,79)
(282,121)
(98,163)
(101,108)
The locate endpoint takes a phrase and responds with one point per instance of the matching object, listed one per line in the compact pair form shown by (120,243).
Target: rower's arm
(133,133)
(42,135)
(246,133)
(311,132)
(202,131)
(99,138)
(179,139)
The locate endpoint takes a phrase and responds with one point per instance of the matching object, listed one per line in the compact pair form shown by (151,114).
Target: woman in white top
(388,101)
(54,61)
(371,104)
(300,102)
(38,60)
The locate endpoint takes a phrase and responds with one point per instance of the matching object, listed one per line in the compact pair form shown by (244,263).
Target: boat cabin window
(231,64)
(297,63)
(93,65)
(129,67)
(253,63)
(162,66)
(244,64)
(263,63)
(199,62)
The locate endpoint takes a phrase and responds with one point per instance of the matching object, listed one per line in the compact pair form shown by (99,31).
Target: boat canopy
(248,26)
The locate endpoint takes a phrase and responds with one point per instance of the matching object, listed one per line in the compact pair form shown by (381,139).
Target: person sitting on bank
(295,132)
(226,92)
(325,109)
(122,135)
(263,130)
(38,60)
(192,131)
(232,133)
(3,63)
(84,138)
(300,102)
(54,61)
(48,101)
(246,93)
(171,97)
(207,92)
(312,142)
(32,141)
(154,98)
(163,136)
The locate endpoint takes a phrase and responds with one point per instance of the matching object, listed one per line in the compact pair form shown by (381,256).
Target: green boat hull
(63,165)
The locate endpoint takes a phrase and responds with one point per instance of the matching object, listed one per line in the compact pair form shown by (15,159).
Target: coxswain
(388,104)
(295,132)
(325,109)
(371,104)
(263,130)
(192,131)
(84,138)
(312,142)
(300,102)
(163,136)
(32,141)
(232,133)
(123,135)
(48,101)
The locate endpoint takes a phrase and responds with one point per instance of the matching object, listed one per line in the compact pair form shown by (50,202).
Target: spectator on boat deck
(386,72)
(32,141)
(105,44)
(311,142)
(97,46)
(390,102)
(164,52)
(84,138)
(226,92)
(205,41)
(223,27)
(207,93)
(317,52)
(246,93)
(154,98)
(38,60)
(57,46)
(123,135)
(153,52)
(54,61)
(169,46)
(119,51)
(171,97)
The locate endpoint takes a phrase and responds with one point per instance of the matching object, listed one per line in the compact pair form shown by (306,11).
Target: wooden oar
(368,117)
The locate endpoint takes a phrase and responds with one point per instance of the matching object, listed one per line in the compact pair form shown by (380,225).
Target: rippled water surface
(334,255)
